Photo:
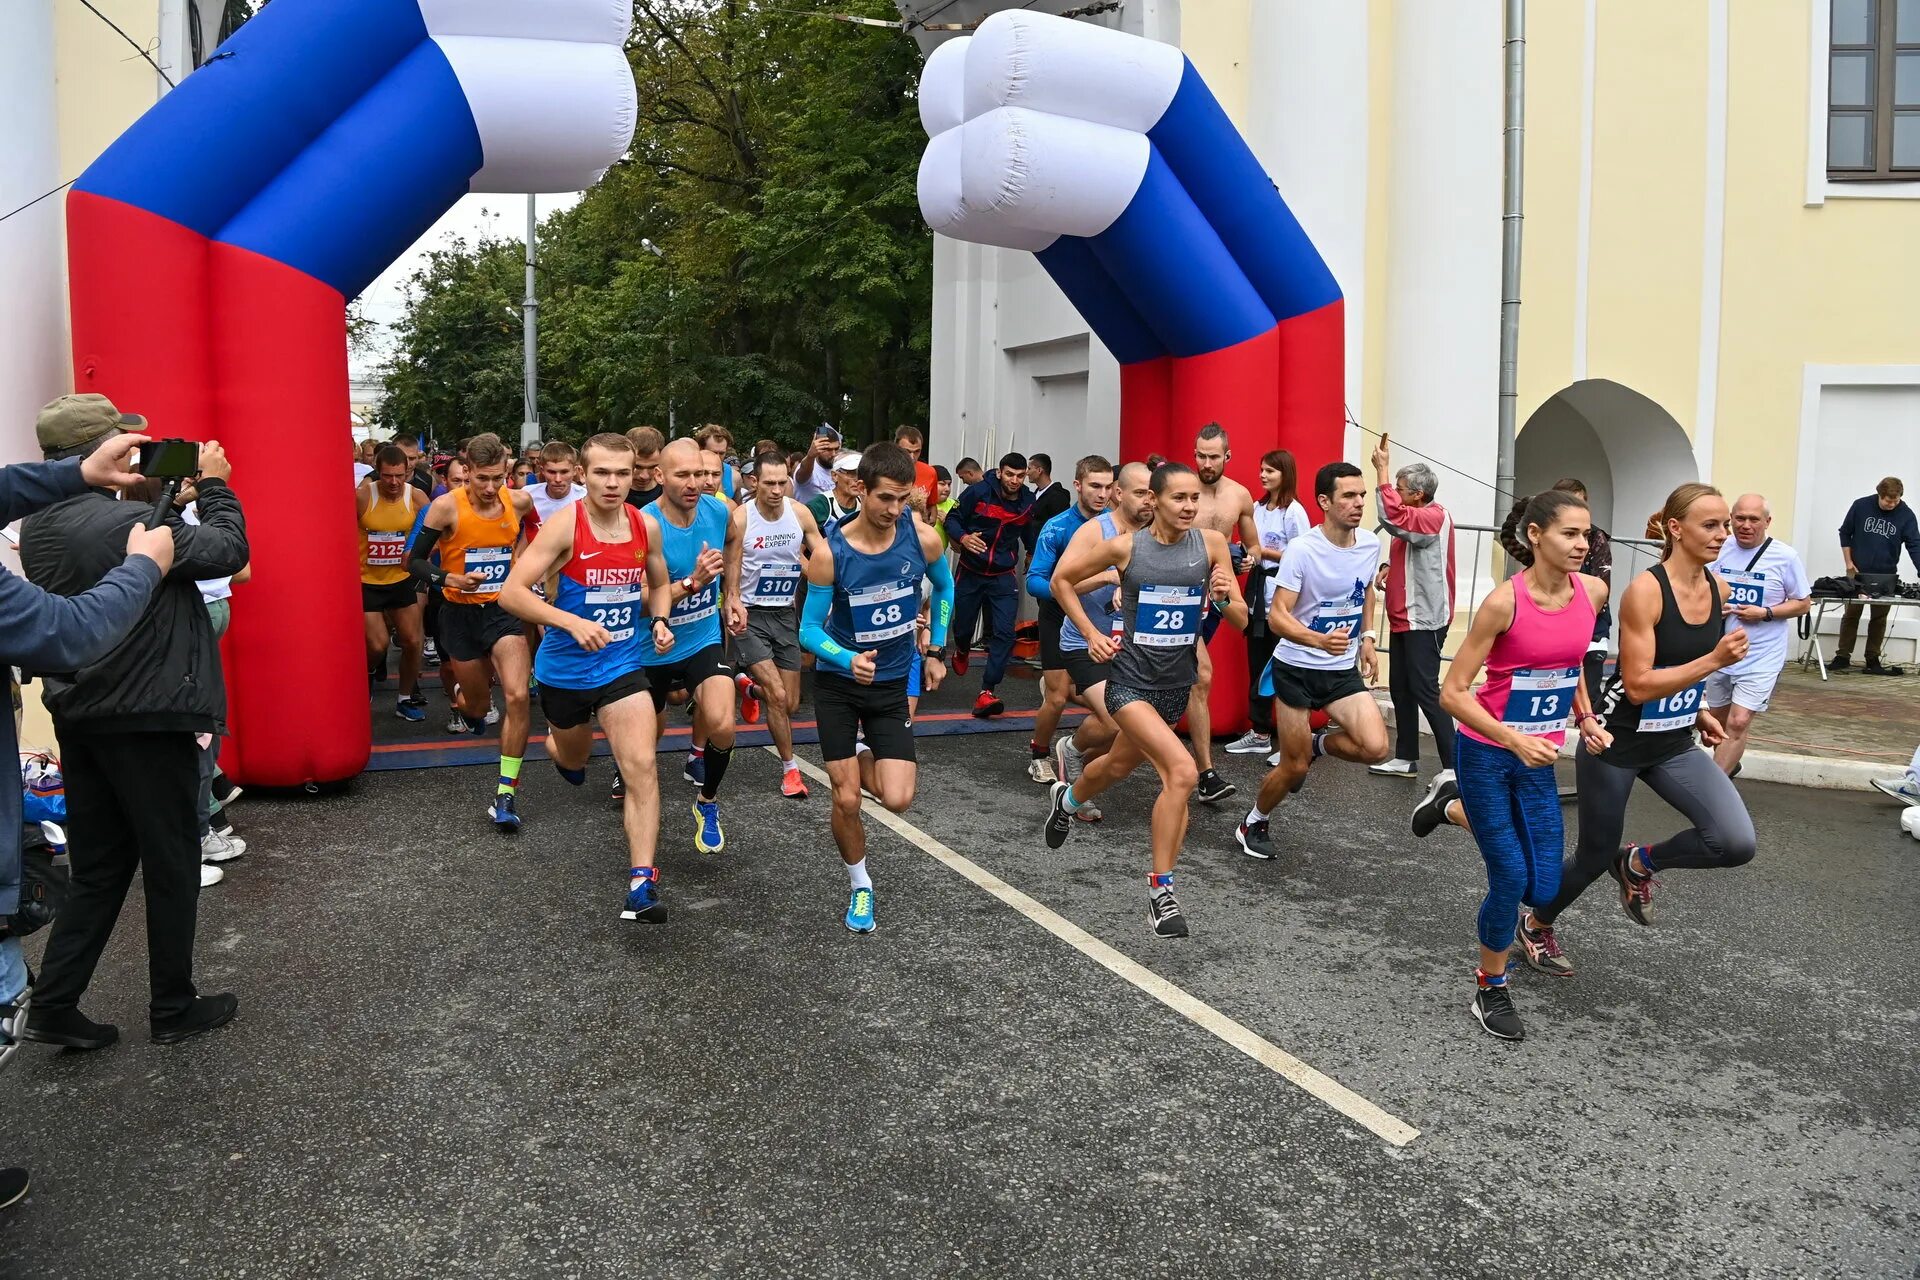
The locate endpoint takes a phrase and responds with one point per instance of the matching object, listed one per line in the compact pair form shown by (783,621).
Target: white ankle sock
(857,875)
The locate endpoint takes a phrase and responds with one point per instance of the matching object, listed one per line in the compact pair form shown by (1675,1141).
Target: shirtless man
(1226,505)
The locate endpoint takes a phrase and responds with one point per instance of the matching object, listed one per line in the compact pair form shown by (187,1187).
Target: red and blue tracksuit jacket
(1003,522)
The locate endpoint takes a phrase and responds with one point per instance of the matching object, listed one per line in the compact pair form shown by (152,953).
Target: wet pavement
(453,1059)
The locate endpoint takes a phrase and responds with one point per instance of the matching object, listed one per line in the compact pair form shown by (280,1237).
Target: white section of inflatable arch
(1050,173)
(1067,68)
(530,99)
(580,21)
(945,208)
(943,85)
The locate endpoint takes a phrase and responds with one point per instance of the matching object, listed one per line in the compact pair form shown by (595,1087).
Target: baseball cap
(848,461)
(75,423)
(831,433)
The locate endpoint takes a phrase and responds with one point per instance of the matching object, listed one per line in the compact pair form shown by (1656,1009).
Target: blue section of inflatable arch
(1071,263)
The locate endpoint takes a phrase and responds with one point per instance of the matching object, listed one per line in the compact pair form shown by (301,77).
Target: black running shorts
(689,673)
(570,708)
(1083,671)
(1052,657)
(394,595)
(843,706)
(468,632)
(1311,688)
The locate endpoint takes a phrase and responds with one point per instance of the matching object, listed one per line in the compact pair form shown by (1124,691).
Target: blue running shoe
(695,770)
(860,911)
(643,902)
(707,836)
(410,713)
(505,811)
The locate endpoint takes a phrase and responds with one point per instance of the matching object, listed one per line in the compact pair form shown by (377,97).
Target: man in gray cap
(43,632)
(128,722)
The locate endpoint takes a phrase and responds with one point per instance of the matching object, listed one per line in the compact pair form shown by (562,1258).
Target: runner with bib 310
(1672,637)
(863,625)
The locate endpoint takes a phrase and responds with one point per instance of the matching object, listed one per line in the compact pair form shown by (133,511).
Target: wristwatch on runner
(938,651)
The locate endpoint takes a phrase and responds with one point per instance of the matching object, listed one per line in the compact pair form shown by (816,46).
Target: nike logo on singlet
(587,555)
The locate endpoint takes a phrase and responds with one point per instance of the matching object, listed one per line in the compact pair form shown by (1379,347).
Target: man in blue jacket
(988,526)
(1876,528)
(43,632)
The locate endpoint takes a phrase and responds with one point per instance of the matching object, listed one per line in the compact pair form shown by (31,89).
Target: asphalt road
(454,1059)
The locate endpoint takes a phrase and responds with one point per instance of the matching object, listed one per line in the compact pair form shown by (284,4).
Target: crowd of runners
(636,574)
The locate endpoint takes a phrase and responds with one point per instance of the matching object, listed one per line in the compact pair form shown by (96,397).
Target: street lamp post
(657,252)
(530,418)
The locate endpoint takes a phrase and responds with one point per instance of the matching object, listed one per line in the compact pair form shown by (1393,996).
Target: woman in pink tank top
(1531,635)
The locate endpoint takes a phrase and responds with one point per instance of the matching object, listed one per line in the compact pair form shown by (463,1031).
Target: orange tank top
(481,546)
(384,530)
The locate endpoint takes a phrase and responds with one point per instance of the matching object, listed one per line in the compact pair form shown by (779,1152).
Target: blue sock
(1490,979)
(1160,881)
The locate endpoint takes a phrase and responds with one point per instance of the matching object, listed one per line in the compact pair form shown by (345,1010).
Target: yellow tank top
(383,539)
(479,546)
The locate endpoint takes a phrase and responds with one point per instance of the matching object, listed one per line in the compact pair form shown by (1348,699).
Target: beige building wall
(101,83)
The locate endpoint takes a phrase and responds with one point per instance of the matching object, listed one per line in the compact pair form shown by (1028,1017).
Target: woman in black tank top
(1673,635)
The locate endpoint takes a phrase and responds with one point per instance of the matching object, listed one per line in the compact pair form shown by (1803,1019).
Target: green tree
(774,165)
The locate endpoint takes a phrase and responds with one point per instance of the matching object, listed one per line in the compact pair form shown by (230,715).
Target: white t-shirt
(1278,526)
(545,504)
(1778,576)
(360,472)
(211,589)
(1332,585)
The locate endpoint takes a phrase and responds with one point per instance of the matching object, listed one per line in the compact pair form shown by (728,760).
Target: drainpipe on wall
(1510,221)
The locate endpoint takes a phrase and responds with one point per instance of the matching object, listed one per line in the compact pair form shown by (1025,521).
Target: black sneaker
(13,1185)
(619,784)
(1873,668)
(225,792)
(1212,788)
(1839,662)
(1059,821)
(68,1028)
(203,1015)
(1431,812)
(1163,913)
(1493,1010)
(1254,839)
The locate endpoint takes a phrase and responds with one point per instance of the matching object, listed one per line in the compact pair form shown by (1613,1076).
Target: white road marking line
(1381,1123)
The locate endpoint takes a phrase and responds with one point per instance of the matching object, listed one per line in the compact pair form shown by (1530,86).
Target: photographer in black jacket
(127,725)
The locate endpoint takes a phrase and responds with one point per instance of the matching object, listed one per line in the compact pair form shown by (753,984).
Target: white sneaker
(456,723)
(1273,761)
(215,847)
(1250,743)
(210,875)
(1041,771)
(1395,769)
(493,715)
(1902,788)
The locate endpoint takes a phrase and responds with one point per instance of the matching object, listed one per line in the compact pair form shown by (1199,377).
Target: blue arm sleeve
(940,574)
(28,486)
(1041,563)
(813,630)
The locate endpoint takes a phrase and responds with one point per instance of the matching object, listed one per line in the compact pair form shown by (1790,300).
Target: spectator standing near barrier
(1050,497)
(127,725)
(1766,588)
(1420,576)
(40,631)
(1871,537)
(814,476)
(989,524)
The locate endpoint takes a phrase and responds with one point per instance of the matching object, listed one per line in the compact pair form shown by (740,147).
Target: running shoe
(1273,761)
(619,785)
(457,723)
(1255,839)
(430,654)
(225,792)
(418,699)
(1493,1010)
(1087,813)
(793,784)
(961,659)
(1068,763)
(210,875)
(859,917)
(1250,743)
(707,836)
(1319,744)
(1163,914)
(1212,788)
(1903,788)
(408,712)
(1395,769)
(749,703)
(1636,890)
(505,811)
(695,769)
(215,847)
(1431,812)
(493,716)
(643,902)
(1040,769)
(1541,949)
(1059,820)
(987,705)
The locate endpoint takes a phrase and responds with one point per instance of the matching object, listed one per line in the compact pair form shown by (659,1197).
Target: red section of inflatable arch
(214,342)
(1283,389)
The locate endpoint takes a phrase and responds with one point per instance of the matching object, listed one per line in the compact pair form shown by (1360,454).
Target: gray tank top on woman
(1163,592)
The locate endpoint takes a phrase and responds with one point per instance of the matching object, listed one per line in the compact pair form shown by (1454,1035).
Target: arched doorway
(1629,452)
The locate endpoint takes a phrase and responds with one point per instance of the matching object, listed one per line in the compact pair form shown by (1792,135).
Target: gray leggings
(1721,834)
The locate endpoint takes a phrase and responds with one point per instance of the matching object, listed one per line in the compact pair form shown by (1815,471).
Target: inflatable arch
(213,249)
(1107,157)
